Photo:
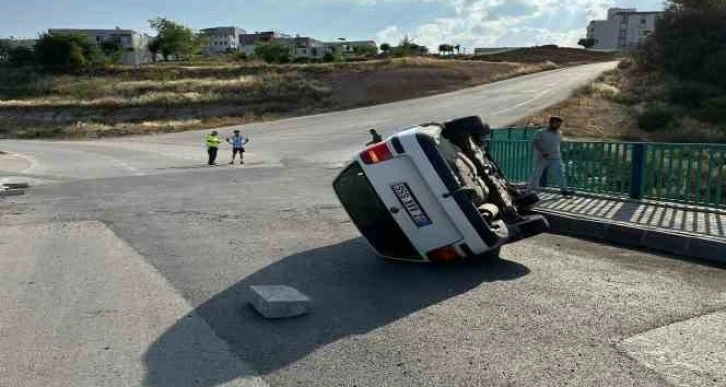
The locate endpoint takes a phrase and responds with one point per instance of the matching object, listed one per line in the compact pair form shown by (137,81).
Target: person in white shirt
(238,142)
(547,154)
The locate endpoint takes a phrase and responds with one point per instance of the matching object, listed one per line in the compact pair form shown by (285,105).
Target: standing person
(376,137)
(237,142)
(547,154)
(213,142)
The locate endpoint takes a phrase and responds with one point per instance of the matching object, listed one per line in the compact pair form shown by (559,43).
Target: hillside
(559,55)
(164,97)
(630,103)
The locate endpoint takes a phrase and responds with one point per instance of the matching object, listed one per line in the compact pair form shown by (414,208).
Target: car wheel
(527,200)
(472,124)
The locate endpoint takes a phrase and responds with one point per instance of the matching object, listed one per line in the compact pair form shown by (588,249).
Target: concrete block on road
(16,185)
(12,192)
(278,301)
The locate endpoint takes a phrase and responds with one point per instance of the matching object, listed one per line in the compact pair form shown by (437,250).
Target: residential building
(624,29)
(135,45)
(248,42)
(301,46)
(222,39)
(310,48)
(347,48)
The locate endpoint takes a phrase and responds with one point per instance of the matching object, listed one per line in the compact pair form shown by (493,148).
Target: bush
(330,58)
(239,56)
(273,53)
(688,41)
(625,64)
(656,117)
(691,94)
(68,53)
(714,110)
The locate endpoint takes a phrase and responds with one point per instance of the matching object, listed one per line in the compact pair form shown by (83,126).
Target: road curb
(680,244)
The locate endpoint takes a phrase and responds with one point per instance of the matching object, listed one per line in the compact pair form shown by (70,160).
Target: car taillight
(376,154)
(444,254)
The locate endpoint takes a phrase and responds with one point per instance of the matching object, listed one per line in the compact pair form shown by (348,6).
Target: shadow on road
(353,292)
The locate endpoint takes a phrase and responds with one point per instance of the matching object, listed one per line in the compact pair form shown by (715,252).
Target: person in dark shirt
(376,137)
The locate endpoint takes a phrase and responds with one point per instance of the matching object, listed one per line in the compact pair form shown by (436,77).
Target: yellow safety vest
(213,141)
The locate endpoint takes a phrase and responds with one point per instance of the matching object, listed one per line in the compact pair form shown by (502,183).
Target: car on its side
(431,193)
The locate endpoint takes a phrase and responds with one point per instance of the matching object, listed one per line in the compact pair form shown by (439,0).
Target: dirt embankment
(162,98)
(633,104)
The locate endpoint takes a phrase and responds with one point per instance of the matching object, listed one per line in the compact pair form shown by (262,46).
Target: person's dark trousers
(212,154)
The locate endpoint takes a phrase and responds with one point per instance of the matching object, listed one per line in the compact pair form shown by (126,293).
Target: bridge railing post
(637,171)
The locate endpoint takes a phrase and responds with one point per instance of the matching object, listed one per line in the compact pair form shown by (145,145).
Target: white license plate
(409,202)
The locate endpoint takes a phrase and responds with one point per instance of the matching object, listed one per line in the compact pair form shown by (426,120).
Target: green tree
(68,53)
(155,48)
(20,56)
(446,49)
(407,47)
(586,42)
(112,49)
(4,51)
(366,51)
(273,52)
(386,48)
(689,41)
(174,39)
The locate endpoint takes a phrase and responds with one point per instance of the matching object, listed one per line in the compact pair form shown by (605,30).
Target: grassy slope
(609,107)
(171,97)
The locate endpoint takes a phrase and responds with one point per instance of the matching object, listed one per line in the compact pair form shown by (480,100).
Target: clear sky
(470,23)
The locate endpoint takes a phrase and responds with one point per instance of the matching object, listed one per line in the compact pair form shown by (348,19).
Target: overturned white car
(431,193)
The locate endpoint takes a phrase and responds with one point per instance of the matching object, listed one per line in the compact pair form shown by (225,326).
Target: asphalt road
(131,255)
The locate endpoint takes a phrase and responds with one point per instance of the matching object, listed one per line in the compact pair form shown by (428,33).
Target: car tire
(527,200)
(471,124)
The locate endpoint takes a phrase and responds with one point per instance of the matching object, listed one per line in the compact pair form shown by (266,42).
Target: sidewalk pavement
(682,230)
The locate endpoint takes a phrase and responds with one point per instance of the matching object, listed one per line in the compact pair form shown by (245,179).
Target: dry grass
(608,108)
(162,98)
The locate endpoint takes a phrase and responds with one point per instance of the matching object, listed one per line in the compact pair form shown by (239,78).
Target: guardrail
(684,173)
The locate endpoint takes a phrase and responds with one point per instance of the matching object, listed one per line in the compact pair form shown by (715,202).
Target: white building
(248,42)
(348,48)
(222,39)
(300,46)
(135,45)
(624,29)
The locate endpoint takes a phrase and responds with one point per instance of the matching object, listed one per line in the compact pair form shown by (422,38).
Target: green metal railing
(514,133)
(685,173)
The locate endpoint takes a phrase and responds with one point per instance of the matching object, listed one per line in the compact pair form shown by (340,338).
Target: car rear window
(371,216)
